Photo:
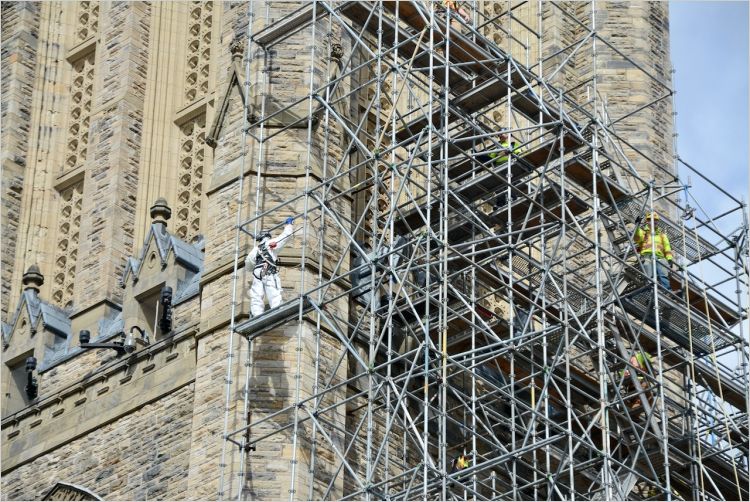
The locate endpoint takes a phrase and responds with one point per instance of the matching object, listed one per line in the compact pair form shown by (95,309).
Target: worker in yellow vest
(460,463)
(660,247)
(507,147)
(640,360)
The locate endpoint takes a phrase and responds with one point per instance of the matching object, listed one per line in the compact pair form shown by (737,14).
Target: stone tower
(122,145)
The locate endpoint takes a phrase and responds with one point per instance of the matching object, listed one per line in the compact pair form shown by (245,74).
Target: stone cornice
(190,111)
(81,50)
(104,301)
(69,178)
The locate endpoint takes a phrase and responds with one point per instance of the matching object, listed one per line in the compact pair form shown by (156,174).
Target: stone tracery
(79,115)
(66,252)
(87,20)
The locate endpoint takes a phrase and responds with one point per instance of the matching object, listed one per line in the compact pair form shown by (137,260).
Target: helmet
(653,214)
(262,236)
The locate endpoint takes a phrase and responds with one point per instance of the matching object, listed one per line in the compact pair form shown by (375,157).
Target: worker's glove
(289,221)
(676,266)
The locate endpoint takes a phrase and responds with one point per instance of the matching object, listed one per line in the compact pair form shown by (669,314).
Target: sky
(709,45)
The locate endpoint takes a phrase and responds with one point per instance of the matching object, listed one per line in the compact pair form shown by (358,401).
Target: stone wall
(73,370)
(272,389)
(207,416)
(172,447)
(20,21)
(627,87)
(37,196)
(111,177)
(141,456)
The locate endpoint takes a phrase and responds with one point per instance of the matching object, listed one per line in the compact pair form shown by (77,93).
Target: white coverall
(262,260)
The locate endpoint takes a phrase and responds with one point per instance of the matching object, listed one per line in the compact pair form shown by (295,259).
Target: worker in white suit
(262,259)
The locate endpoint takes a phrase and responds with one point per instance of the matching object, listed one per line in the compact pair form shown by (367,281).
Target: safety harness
(266,265)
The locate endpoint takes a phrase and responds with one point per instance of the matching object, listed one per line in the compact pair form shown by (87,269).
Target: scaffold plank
(392,34)
(732,390)
(674,323)
(482,96)
(272,318)
(721,315)
(486,182)
(463,49)
(693,248)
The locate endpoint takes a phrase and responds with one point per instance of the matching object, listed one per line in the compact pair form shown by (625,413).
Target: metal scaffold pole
(227,441)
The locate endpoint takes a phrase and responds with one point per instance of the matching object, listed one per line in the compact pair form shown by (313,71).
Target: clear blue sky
(709,44)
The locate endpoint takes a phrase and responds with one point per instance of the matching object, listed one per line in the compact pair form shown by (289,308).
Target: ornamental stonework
(66,253)
(81,94)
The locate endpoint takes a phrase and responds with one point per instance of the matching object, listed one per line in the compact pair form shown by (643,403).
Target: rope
(693,380)
(714,360)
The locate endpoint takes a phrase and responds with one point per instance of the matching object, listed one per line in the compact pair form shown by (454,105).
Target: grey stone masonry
(112,170)
(117,463)
(20,22)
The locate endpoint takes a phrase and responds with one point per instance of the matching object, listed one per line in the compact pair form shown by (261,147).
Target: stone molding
(191,110)
(81,50)
(69,178)
(235,79)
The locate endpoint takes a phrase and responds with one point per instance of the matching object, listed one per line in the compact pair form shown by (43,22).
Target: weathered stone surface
(20,21)
(137,457)
(112,172)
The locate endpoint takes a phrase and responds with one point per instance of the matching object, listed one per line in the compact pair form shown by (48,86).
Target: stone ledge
(81,50)
(69,178)
(190,111)
(222,321)
(104,301)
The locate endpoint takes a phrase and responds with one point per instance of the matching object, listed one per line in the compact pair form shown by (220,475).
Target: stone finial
(160,211)
(237,48)
(33,279)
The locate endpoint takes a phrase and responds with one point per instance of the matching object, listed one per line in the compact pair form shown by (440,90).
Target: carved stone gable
(165,261)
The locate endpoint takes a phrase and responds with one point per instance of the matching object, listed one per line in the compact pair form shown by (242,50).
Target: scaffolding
(460,293)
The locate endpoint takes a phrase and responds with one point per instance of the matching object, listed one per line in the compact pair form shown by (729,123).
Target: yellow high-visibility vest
(661,244)
(501,158)
(462,463)
(641,358)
